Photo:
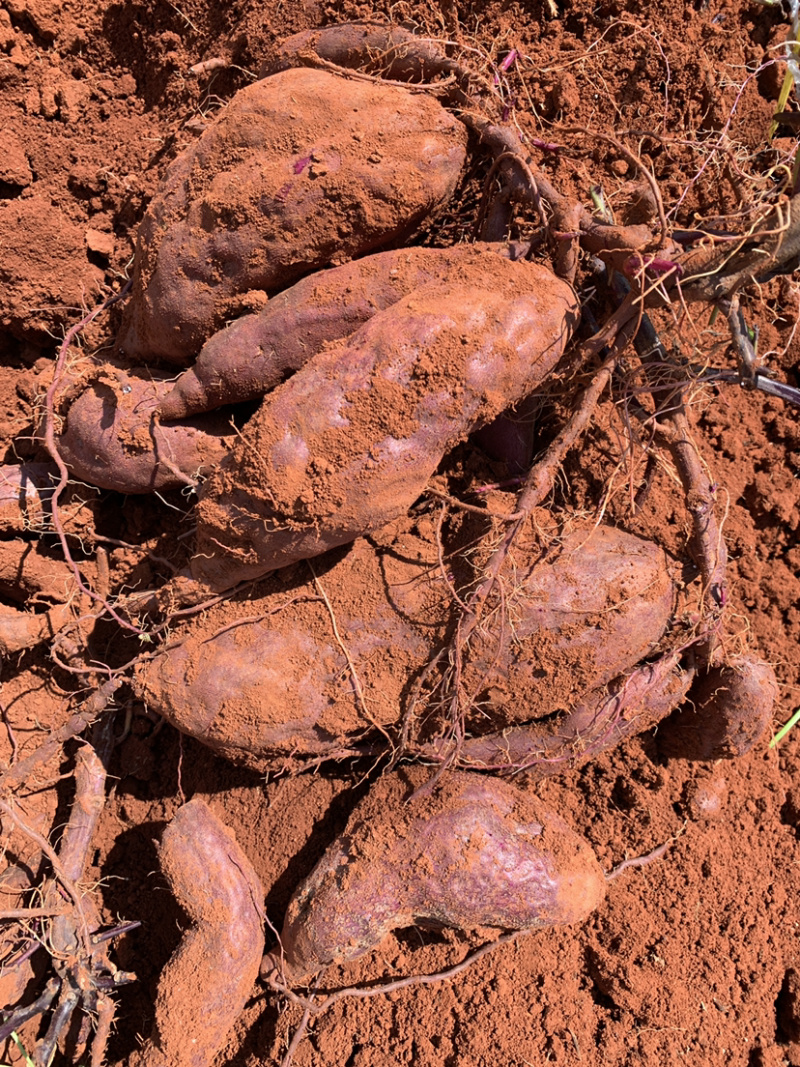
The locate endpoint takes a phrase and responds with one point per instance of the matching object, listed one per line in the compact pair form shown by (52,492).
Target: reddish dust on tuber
(218,957)
(235,216)
(475,852)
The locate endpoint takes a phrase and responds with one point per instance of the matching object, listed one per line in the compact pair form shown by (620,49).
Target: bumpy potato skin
(729,712)
(256,694)
(301,170)
(110,437)
(601,719)
(591,608)
(478,852)
(350,441)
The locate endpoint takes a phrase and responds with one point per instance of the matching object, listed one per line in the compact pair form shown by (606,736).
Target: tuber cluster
(318,376)
(277,683)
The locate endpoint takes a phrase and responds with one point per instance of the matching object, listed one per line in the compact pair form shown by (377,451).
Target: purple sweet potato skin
(262,690)
(600,720)
(477,852)
(590,609)
(729,712)
(401,55)
(110,438)
(256,352)
(208,979)
(277,685)
(349,442)
(350,164)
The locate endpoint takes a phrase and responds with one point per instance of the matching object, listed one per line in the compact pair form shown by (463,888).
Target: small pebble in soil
(705,798)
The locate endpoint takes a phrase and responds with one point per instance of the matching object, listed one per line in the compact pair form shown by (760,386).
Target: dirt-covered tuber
(729,712)
(204,986)
(111,439)
(277,682)
(475,852)
(301,170)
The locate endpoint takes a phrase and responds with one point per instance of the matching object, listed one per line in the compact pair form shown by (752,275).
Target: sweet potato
(347,444)
(275,683)
(256,352)
(28,570)
(478,852)
(302,169)
(26,492)
(729,711)
(599,721)
(595,603)
(209,977)
(23,629)
(391,51)
(111,439)
(28,573)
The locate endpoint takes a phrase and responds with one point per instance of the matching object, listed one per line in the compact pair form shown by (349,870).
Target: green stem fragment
(784,730)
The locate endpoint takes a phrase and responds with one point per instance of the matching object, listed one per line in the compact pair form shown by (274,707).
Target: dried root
(83,975)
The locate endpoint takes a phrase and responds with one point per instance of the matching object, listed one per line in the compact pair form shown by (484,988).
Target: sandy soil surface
(694,958)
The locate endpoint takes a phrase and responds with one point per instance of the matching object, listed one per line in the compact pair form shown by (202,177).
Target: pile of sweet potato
(270,272)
